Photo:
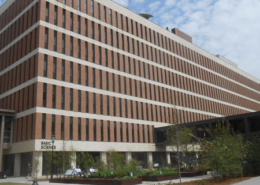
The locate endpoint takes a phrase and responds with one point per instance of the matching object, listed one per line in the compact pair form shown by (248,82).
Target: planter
(193,174)
(160,178)
(98,181)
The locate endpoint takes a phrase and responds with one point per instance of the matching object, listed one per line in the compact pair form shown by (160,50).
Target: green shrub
(125,178)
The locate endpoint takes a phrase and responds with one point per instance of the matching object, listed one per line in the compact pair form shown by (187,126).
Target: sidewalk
(252,181)
(27,181)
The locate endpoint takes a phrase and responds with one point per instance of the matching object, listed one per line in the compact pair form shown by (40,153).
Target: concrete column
(2,142)
(37,164)
(73,160)
(168,158)
(17,165)
(150,160)
(103,157)
(128,157)
(246,122)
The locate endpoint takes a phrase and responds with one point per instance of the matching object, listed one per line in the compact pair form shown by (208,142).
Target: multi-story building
(101,77)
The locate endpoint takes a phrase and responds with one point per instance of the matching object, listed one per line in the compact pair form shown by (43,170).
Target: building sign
(47,145)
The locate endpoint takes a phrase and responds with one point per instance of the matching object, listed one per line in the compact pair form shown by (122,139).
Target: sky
(230,28)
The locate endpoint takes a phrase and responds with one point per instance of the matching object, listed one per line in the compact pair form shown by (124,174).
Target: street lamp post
(52,140)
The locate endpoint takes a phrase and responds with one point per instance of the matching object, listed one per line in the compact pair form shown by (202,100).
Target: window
(105,35)
(127,24)
(108,131)
(105,13)
(139,130)
(126,111)
(111,36)
(62,127)
(63,98)
(54,68)
(45,65)
(63,18)
(43,125)
(79,24)
(92,7)
(63,43)
(71,21)
(71,46)
(107,81)
(86,51)
(115,132)
(87,107)
(116,20)
(71,128)
(53,126)
(79,101)
(86,73)
(79,5)
(86,27)
(93,30)
(46,38)
(114,106)
(106,55)
(101,128)
(101,104)
(79,49)
(143,135)
(71,72)
(123,43)
(79,129)
(122,22)
(100,57)
(99,33)
(110,15)
(133,133)
(113,81)
(44,95)
(95,130)
(71,99)
(86,6)
(100,79)
(47,12)
(121,131)
(87,129)
(94,103)
(127,136)
(93,78)
(93,53)
(98,11)
(56,15)
(117,40)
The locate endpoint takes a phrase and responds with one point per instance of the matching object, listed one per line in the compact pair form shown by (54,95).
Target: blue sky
(226,27)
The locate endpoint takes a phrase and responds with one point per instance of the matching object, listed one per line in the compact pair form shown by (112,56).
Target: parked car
(70,173)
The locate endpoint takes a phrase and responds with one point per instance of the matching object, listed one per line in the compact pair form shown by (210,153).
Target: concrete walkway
(252,181)
(27,181)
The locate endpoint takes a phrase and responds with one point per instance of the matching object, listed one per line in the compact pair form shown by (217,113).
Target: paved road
(252,181)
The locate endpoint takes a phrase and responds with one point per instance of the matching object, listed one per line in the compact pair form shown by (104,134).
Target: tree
(224,153)
(252,159)
(35,164)
(178,137)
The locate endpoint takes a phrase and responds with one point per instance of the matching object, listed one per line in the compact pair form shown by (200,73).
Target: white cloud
(229,28)
(138,1)
(122,2)
(154,6)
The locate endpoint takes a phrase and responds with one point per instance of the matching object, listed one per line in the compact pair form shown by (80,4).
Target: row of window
(134,85)
(118,134)
(164,59)
(120,107)
(158,40)
(18,75)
